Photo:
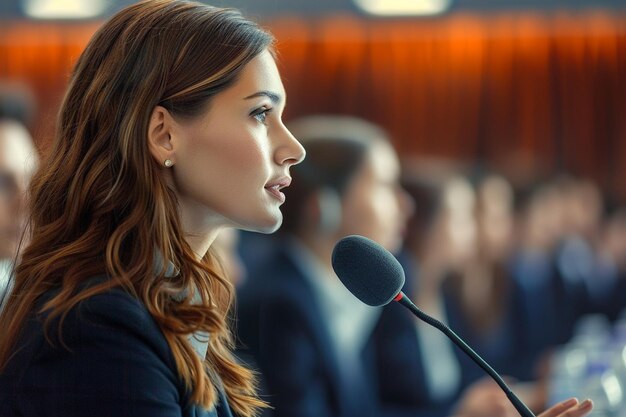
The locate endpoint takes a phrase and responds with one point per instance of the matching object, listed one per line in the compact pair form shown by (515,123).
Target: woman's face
(374,205)
(231,162)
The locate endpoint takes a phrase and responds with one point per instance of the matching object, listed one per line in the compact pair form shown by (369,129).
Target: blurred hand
(568,408)
(484,398)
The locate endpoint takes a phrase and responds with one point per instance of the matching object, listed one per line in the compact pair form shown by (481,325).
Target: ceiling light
(63,9)
(404,7)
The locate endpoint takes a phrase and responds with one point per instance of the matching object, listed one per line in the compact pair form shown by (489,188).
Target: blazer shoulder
(117,307)
(107,357)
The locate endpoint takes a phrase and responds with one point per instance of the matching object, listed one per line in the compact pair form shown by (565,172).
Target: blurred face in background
(18,160)
(495,218)
(458,221)
(613,242)
(374,205)
(583,205)
(544,221)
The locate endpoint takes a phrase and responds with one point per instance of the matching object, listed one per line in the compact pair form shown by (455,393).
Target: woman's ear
(160,138)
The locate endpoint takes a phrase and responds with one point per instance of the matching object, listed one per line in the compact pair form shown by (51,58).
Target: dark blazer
(400,361)
(118,365)
(403,386)
(280,328)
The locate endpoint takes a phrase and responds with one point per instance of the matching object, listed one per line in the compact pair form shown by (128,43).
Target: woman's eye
(261,114)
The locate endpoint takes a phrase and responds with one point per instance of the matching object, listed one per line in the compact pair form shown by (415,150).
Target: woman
(170,131)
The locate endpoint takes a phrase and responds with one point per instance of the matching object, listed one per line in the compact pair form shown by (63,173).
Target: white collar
(199,340)
(349,321)
(329,291)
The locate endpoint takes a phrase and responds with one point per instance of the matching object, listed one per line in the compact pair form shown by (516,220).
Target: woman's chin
(268,229)
(267,226)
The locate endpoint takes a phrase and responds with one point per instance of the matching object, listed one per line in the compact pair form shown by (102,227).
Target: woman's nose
(290,151)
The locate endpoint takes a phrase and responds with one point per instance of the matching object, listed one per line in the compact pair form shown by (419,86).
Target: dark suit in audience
(281,328)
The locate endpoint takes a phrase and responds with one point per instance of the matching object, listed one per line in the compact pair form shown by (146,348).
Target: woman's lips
(274,188)
(275,191)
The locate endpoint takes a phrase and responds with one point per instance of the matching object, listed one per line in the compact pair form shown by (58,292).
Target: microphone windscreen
(367,270)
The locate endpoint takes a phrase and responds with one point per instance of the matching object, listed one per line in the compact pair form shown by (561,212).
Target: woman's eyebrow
(274,97)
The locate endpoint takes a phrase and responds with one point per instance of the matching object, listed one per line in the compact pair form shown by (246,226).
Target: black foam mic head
(368,270)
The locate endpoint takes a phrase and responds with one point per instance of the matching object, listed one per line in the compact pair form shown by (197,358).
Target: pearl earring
(168,163)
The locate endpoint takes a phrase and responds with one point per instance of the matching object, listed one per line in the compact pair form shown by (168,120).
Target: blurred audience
(322,352)
(514,273)
(515,279)
(451,278)
(612,254)
(558,261)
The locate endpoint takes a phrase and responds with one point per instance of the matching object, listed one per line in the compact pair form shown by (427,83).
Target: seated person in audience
(559,265)
(421,372)
(484,303)
(612,251)
(18,160)
(308,335)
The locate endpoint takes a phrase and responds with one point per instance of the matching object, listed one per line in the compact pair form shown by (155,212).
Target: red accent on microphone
(398,297)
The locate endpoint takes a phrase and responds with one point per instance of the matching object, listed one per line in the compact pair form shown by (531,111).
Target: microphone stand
(517,403)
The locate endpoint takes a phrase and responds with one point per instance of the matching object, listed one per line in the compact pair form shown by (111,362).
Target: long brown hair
(99,204)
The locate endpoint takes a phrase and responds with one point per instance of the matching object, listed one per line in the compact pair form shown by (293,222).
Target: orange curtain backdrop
(492,88)
(487,87)
(42,56)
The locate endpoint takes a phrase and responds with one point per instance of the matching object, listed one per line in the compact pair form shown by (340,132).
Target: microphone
(375,277)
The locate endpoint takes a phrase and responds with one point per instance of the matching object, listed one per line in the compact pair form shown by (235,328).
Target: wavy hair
(99,204)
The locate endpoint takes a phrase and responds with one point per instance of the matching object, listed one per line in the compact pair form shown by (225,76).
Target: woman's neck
(200,243)
(200,228)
